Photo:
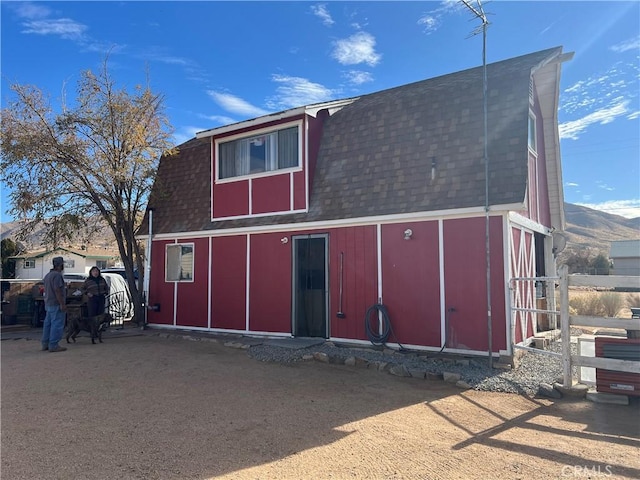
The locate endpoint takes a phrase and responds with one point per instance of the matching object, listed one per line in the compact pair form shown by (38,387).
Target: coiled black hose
(377,338)
(380,338)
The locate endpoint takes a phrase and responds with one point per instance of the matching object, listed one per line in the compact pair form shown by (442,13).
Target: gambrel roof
(413,148)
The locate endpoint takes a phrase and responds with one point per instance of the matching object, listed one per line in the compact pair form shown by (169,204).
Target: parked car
(120,271)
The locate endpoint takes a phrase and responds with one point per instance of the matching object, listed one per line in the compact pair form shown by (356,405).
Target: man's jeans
(53,327)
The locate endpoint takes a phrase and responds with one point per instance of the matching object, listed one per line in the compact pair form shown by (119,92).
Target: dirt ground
(149,407)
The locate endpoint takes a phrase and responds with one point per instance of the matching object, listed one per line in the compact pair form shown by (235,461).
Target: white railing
(566,320)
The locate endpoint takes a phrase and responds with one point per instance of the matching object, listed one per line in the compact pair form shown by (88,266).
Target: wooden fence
(567,320)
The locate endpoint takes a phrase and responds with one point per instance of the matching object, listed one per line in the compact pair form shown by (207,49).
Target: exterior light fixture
(407,234)
(284,240)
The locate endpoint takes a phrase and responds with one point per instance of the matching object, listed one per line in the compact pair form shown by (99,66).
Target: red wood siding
(533,187)
(531,290)
(411,282)
(523,293)
(228,286)
(520,317)
(270,290)
(538,191)
(299,191)
(160,292)
(271,194)
(192,296)
(360,280)
(315,136)
(231,199)
(465,283)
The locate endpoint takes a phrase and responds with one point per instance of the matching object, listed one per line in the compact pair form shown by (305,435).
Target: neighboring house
(625,256)
(35,265)
(296,223)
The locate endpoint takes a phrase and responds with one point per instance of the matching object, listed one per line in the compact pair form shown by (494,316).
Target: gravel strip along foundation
(534,369)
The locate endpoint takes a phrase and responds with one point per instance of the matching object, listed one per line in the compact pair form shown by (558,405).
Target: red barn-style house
(296,223)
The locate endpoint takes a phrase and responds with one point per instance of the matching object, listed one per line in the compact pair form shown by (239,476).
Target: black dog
(94,325)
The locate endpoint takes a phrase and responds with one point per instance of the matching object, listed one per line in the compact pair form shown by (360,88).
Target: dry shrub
(597,304)
(612,303)
(633,300)
(586,303)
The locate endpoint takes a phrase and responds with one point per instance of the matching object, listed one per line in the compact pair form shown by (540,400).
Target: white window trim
(29,263)
(253,133)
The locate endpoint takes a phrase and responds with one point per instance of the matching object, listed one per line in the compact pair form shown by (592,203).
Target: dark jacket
(95,286)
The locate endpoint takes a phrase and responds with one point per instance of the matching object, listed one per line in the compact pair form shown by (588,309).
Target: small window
(30,263)
(101,264)
(532,133)
(179,265)
(266,152)
(69,263)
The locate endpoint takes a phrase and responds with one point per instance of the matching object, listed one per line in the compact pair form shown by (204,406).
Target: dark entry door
(310,286)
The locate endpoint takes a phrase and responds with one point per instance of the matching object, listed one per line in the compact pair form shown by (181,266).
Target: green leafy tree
(600,265)
(8,248)
(94,159)
(577,261)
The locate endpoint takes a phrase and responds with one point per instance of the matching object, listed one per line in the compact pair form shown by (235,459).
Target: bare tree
(94,159)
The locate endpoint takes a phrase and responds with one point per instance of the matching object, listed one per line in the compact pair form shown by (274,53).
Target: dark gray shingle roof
(377,154)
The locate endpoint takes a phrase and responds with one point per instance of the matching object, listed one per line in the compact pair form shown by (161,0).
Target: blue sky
(223,62)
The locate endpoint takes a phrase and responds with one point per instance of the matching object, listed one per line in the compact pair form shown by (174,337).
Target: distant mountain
(102,239)
(595,230)
(588,229)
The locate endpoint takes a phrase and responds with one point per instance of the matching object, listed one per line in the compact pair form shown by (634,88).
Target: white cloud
(186,133)
(624,208)
(358,77)
(30,10)
(236,105)
(219,119)
(571,184)
(432,20)
(630,44)
(604,186)
(63,27)
(296,91)
(171,60)
(320,11)
(633,115)
(358,48)
(430,23)
(572,129)
(600,91)
(576,87)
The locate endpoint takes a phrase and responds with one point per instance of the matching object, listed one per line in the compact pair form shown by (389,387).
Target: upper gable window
(532,133)
(30,263)
(266,152)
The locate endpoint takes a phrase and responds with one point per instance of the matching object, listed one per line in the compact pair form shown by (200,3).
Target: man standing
(55,304)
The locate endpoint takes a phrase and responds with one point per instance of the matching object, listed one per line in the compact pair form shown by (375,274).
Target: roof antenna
(479,13)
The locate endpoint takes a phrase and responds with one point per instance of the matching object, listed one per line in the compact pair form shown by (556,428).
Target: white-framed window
(532,133)
(179,262)
(101,264)
(69,263)
(29,263)
(263,151)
